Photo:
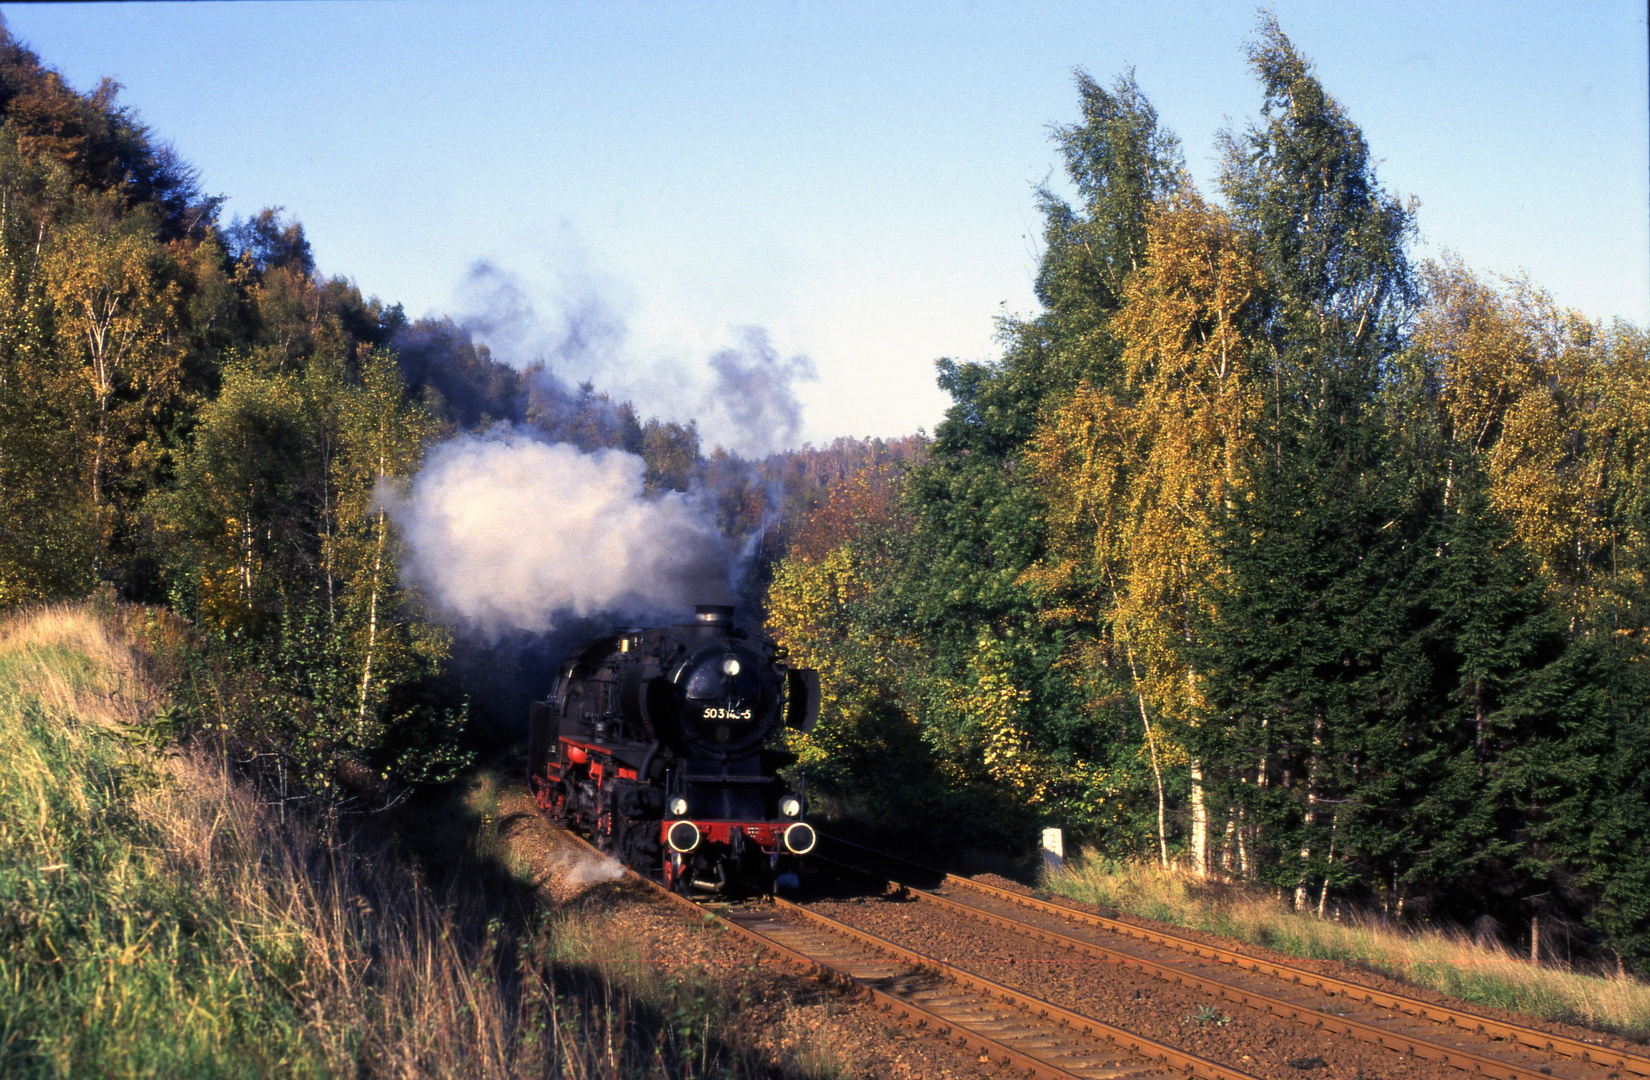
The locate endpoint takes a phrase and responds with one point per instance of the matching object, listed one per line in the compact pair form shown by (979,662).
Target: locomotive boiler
(656,743)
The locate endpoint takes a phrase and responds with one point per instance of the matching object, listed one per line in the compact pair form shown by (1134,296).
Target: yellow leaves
(1555,409)
(989,707)
(1185,316)
(111,309)
(223,600)
(808,599)
(1134,478)
(810,613)
(1487,361)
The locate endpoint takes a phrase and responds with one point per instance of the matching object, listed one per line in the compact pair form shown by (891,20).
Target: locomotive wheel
(637,849)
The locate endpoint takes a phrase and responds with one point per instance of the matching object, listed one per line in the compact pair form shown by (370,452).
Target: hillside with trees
(1262,550)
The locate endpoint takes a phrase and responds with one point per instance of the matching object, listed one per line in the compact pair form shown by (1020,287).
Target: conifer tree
(1311,636)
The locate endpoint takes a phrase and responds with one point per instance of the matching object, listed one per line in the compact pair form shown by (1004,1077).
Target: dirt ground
(788,1016)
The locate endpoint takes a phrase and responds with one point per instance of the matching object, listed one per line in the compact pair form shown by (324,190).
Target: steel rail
(929,1022)
(1531,1038)
(906,1012)
(1169,1056)
(1280,1007)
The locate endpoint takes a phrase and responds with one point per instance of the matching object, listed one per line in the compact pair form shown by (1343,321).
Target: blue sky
(856,179)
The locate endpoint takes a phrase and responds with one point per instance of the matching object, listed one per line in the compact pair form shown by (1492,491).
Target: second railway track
(1020,1032)
(1408,1027)
(1027,1034)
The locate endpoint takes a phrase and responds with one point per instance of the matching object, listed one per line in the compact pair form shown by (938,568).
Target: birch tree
(1134,477)
(114,306)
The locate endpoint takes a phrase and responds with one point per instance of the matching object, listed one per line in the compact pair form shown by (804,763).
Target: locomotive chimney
(713,614)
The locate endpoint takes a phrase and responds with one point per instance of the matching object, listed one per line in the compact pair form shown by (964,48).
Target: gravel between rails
(1364,976)
(1312,998)
(1242,1038)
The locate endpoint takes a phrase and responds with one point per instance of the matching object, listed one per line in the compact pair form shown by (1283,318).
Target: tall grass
(1447,961)
(156,920)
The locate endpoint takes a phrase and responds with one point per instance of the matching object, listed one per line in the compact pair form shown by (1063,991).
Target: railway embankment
(160,917)
(1446,962)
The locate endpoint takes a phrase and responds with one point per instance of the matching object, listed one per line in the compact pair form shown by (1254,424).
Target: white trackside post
(1054,850)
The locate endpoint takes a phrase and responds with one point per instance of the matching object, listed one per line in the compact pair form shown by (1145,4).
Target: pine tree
(1309,651)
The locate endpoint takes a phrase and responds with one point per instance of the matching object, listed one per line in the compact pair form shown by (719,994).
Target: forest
(1263,550)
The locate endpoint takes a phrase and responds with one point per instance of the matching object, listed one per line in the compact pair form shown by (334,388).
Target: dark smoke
(755,394)
(582,334)
(556,512)
(746,400)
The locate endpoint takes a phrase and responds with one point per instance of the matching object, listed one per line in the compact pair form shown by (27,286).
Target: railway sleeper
(1580,1051)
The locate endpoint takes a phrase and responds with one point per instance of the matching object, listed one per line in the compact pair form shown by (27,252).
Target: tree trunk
(1151,736)
(1200,822)
(1323,897)
(372,623)
(1311,816)
(1260,786)
(326,528)
(1157,773)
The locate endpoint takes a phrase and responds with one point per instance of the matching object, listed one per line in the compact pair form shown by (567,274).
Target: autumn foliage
(1266,553)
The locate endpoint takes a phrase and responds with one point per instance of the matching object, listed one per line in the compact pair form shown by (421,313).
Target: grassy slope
(1447,962)
(156,921)
(115,959)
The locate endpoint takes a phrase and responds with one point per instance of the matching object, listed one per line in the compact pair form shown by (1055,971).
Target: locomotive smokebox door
(802,699)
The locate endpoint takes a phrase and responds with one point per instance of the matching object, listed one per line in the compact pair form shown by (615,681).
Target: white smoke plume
(510,533)
(578,871)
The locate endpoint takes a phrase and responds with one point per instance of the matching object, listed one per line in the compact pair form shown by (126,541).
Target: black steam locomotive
(655,743)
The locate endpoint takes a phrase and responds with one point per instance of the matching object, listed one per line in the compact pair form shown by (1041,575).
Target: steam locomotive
(655,743)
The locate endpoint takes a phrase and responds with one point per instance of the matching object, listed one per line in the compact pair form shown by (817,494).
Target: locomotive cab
(656,743)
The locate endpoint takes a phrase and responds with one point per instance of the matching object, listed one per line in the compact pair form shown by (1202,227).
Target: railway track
(1454,1037)
(1016,1030)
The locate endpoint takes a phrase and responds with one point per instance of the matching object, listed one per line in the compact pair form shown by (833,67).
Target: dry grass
(1446,961)
(156,920)
(75,663)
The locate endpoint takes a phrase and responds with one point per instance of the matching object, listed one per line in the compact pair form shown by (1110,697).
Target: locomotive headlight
(790,806)
(678,807)
(683,836)
(730,666)
(801,838)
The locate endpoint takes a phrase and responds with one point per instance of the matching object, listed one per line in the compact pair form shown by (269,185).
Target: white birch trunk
(1200,822)
(1311,816)
(372,623)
